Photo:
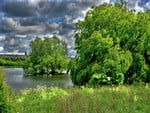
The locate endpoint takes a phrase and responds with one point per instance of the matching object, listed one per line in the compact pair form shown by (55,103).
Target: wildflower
(135,98)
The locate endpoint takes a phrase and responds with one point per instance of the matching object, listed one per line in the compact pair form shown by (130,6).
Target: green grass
(6,100)
(121,99)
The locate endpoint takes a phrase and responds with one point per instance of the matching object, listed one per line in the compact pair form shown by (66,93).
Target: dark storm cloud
(19,9)
(24,16)
(22,20)
(11,25)
(39,17)
(52,8)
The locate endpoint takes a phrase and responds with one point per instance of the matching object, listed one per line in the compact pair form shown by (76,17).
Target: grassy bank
(6,97)
(122,99)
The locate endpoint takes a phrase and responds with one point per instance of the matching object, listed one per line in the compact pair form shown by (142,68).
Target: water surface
(17,81)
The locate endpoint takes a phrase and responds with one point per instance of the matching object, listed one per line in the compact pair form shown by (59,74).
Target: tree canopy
(48,56)
(113,47)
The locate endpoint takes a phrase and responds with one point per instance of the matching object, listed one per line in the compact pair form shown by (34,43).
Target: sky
(21,21)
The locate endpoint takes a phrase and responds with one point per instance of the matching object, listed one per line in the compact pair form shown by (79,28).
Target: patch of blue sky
(1,14)
(57,20)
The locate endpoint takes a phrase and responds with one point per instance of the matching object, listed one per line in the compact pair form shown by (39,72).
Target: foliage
(6,104)
(113,47)
(48,56)
(120,99)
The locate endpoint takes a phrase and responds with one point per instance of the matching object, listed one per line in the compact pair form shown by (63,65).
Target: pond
(17,81)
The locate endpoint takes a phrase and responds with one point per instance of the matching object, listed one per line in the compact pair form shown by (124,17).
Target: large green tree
(113,47)
(48,56)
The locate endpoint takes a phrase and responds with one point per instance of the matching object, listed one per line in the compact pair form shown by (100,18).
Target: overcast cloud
(22,20)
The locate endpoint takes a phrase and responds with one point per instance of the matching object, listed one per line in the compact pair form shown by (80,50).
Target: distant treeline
(12,61)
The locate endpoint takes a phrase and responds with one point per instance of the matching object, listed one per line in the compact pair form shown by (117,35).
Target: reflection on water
(17,81)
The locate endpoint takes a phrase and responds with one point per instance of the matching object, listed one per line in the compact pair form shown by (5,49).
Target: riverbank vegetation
(113,47)
(6,98)
(116,99)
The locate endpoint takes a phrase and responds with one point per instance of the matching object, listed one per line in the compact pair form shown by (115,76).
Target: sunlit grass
(119,99)
(6,100)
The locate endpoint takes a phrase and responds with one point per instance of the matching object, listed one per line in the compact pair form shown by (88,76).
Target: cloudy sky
(22,20)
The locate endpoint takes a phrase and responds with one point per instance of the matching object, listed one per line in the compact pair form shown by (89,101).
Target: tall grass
(121,99)
(6,98)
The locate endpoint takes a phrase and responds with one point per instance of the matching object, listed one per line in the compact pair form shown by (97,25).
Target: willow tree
(48,56)
(113,47)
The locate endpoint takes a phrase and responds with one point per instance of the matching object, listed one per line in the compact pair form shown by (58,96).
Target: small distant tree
(48,56)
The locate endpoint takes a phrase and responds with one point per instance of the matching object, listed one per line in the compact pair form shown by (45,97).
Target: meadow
(107,99)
